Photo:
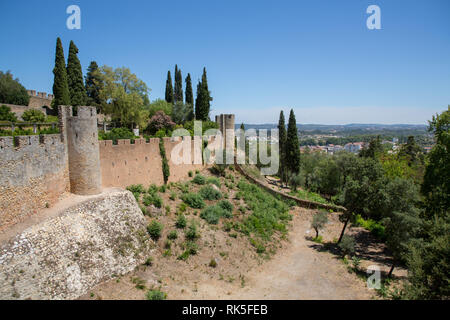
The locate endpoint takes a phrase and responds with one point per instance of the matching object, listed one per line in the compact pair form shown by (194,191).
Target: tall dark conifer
(292,146)
(203,100)
(189,97)
(60,86)
(178,94)
(282,147)
(75,81)
(93,85)
(169,88)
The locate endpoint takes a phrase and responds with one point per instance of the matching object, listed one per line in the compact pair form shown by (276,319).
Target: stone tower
(226,126)
(82,149)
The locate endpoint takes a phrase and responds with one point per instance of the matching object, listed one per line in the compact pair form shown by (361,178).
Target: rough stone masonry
(66,255)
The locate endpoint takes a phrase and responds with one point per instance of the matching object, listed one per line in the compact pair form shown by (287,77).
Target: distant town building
(354,147)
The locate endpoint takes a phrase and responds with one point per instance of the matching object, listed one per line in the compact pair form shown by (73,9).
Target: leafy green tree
(203,100)
(60,83)
(428,261)
(94,85)
(436,186)
(411,151)
(160,105)
(6,114)
(77,91)
(181,112)
(319,221)
(124,96)
(169,89)
(374,150)
(282,147)
(292,146)
(178,92)
(11,91)
(33,115)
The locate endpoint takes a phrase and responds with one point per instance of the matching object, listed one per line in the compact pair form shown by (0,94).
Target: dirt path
(298,271)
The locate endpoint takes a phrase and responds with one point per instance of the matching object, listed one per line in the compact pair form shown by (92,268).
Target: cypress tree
(169,88)
(292,155)
(189,97)
(93,85)
(282,147)
(60,86)
(178,95)
(203,100)
(77,91)
(189,93)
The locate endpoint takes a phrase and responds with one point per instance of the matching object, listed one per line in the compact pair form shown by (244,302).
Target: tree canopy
(11,91)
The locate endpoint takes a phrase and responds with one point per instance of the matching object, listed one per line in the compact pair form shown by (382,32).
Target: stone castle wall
(66,255)
(125,164)
(33,174)
(39,99)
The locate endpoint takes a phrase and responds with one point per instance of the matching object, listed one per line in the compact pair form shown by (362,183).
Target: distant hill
(345,127)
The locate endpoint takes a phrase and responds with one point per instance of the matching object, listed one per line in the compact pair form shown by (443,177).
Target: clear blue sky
(315,56)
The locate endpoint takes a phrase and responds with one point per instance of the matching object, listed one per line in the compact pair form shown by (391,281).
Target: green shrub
(116,134)
(172,235)
(153,188)
(209,193)
(191,247)
(173,195)
(181,222)
(153,199)
(156,295)
(190,174)
(347,245)
(212,214)
(376,228)
(138,188)
(226,205)
(213,263)
(192,232)
(199,179)
(155,229)
(193,200)
(213,180)
(268,214)
(163,188)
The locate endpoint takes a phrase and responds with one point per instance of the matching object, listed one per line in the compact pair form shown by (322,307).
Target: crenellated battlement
(17,143)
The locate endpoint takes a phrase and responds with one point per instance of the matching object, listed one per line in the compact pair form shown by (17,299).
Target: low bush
(199,179)
(154,229)
(172,235)
(376,228)
(213,180)
(192,232)
(209,193)
(156,295)
(193,200)
(347,245)
(226,205)
(181,222)
(154,199)
(212,214)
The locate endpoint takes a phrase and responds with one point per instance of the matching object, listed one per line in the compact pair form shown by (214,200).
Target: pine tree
(75,81)
(93,85)
(282,147)
(60,86)
(169,88)
(203,100)
(178,94)
(189,97)
(292,146)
